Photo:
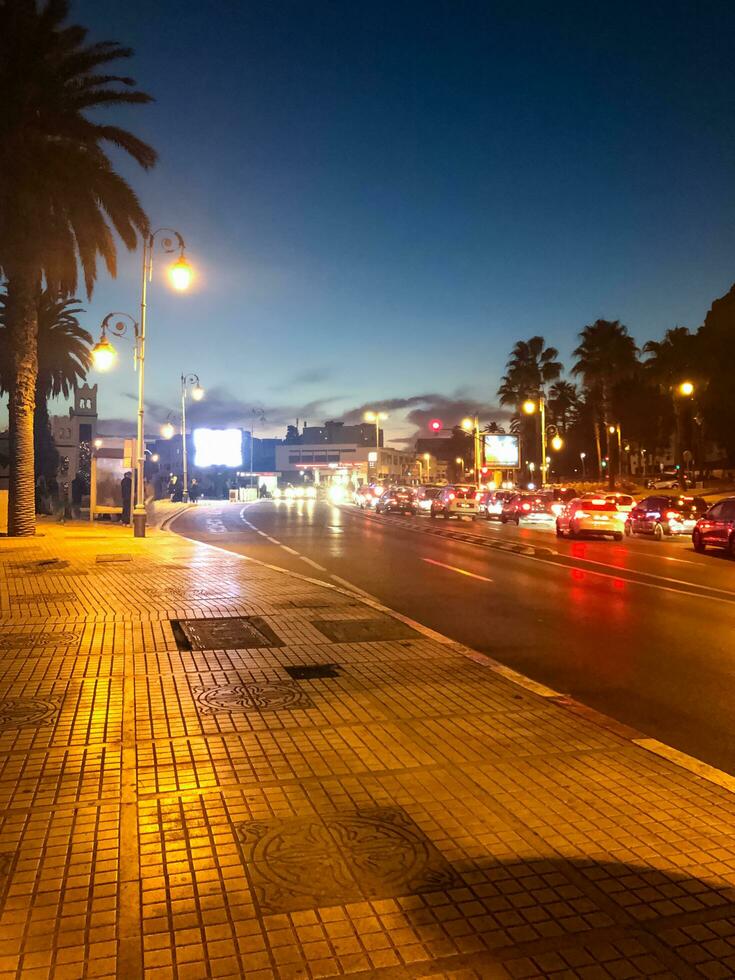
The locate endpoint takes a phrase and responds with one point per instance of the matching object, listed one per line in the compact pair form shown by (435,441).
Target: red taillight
(525,506)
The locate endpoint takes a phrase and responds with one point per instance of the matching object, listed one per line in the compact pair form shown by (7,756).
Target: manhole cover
(26,712)
(102,559)
(43,597)
(363,630)
(16,641)
(312,672)
(224,633)
(306,862)
(267,696)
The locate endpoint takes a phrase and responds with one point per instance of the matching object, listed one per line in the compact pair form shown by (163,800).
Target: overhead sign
(503,451)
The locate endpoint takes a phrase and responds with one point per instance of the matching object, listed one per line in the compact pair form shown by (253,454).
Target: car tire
(628,528)
(698,542)
(731,546)
(559,532)
(618,536)
(503,519)
(432,515)
(572,531)
(446,515)
(518,522)
(658,532)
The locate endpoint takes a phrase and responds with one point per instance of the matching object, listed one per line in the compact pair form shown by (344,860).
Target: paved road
(643,631)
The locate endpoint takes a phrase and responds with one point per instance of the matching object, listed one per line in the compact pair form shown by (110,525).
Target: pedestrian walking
(195,491)
(126,488)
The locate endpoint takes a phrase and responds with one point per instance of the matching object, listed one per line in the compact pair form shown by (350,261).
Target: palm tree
(672,361)
(60,198)
(563,404)
(606,355)
(63,361)
(530,367)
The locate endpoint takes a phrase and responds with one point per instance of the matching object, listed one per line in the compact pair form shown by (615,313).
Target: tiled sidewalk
(176,800)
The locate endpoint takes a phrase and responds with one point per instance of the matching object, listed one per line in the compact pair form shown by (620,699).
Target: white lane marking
(693,765)
(635,571)
(291,551)
(272,540)
(353,588)
(312,563)
(453,568)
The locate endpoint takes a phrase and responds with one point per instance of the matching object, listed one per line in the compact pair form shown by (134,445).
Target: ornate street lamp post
(189,383)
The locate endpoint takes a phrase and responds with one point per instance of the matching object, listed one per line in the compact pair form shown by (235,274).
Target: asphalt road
(642,631)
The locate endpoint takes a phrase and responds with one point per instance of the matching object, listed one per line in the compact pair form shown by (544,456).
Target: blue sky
(380,198)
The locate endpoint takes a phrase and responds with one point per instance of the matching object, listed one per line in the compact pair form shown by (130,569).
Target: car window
(728,510)
(716,512)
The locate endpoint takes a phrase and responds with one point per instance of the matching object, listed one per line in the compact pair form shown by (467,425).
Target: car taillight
(556,509)
(525,506)
(581,513)
(478,496)
(672,515)
(451,496)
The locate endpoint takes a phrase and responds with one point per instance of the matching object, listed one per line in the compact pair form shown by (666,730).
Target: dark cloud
(311,376)
(409,416)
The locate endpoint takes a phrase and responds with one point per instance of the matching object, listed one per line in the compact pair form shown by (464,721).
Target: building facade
(80,426)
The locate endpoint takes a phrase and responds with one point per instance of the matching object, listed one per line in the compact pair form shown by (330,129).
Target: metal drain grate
(364,630)
(224,633)
(313,672)
(19,641)
(27,712)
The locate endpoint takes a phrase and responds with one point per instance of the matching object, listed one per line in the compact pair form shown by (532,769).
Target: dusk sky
(381,198)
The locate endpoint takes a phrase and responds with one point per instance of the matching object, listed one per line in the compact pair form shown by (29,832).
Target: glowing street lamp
(167,430)
(104,354)
(180,276)
(529,406)
(557,443)
(686,388)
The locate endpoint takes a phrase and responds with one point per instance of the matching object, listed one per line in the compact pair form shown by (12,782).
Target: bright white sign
(218,447)
(502,450)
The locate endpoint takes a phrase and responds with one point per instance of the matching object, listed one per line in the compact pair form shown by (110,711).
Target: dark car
(490,503)
(663,514)
(536,508)
(716,528)
(398,500)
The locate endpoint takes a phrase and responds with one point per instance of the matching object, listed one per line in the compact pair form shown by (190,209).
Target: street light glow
(468,425)
(180,274)
(557,443)
(167,430)
(529,406)
(583,455)
(686,388)
(375,416)
(197,393)
(104,355)
(611,429)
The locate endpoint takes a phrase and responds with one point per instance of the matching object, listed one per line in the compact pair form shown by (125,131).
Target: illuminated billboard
(218,447)
(502,451)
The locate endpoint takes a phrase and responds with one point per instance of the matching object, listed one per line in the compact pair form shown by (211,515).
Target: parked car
(490,503)
(716,528)
(663,514)
(591,516)
(424,496)
(397,500)
(456,500)
(669,480)
(366,496)
(534,507)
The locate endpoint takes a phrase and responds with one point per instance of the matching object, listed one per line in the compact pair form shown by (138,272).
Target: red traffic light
(435,425)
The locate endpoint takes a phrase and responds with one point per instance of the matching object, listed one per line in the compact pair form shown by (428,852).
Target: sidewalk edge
(680,759)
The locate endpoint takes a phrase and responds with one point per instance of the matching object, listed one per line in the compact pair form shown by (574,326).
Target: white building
(351,461)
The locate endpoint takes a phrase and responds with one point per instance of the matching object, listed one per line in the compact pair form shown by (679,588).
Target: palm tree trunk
(23,328)
(596,425)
